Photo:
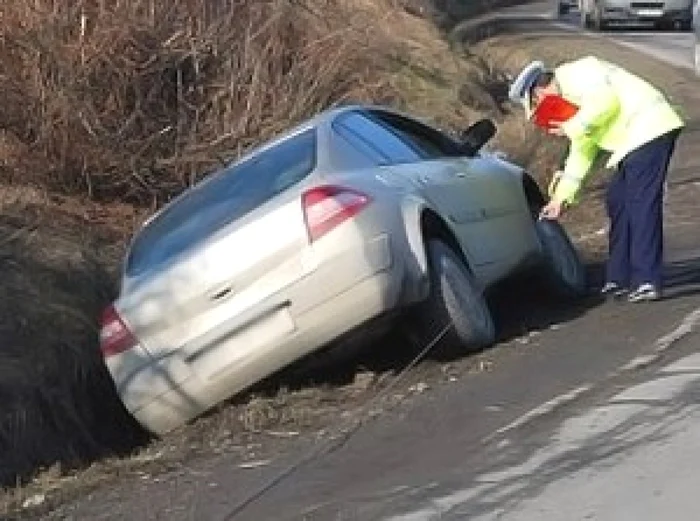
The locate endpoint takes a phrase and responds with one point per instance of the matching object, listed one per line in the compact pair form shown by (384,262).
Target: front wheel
(563,267)
(455,300)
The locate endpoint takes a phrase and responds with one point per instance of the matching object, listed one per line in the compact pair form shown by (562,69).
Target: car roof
(321,122)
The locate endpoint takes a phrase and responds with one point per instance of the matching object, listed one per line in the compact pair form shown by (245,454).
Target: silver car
(358,216)
(597,14)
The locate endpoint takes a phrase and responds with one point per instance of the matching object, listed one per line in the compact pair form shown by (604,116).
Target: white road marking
(540,411)
(687,364)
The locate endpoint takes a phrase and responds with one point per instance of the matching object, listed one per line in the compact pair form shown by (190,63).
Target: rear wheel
(454,300)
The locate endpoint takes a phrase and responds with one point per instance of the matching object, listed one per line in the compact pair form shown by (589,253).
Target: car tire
(563,268)
(454,300)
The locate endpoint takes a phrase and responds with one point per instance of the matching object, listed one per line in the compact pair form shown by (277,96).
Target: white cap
(520,88)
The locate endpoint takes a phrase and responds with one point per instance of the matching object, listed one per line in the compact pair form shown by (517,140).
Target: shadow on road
(683,278)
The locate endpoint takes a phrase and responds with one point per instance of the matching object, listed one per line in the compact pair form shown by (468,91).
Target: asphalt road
(677,48)
(598,420)
(674,47)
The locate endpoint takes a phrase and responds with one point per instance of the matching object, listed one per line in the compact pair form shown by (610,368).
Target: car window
(432,143)
(374,140)
(361,145)
(220,200)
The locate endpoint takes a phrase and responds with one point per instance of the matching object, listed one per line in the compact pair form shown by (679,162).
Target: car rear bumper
(191,397)
(352,287)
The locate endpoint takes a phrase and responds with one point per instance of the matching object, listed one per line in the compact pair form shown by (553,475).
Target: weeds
(136,99)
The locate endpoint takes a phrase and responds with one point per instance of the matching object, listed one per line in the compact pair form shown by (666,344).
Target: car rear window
(220,200)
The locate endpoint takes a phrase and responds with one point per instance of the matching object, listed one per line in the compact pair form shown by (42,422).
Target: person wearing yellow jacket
(622,114)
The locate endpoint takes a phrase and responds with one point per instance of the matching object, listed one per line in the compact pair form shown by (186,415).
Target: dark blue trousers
(635,207)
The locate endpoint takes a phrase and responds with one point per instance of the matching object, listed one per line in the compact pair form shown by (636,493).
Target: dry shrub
(57,404)
(138,98)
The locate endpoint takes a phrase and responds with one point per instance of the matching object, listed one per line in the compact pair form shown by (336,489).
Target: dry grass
(136,99)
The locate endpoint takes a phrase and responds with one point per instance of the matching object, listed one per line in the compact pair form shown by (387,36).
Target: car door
(456,194)
(505,221)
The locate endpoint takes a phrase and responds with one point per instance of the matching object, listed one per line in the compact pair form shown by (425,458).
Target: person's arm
(582,154)
(565,154)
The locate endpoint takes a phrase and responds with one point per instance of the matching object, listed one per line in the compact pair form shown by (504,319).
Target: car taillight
(115,337)
(326,207)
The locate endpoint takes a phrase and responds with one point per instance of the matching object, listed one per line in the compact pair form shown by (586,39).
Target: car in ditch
(352,220)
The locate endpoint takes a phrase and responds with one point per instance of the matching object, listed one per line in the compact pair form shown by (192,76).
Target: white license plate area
(650,12)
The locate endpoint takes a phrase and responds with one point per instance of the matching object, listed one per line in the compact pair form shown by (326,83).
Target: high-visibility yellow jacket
(618,113)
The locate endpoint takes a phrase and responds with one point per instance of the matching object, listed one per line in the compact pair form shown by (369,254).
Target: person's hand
(552,210)
(555,129)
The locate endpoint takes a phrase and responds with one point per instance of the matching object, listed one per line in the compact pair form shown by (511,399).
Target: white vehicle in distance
(357,216)
(671,14)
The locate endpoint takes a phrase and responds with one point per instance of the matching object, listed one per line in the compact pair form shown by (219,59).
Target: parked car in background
(598,14)
(358,216)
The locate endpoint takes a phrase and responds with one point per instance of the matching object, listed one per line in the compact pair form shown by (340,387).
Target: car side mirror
(477,135)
